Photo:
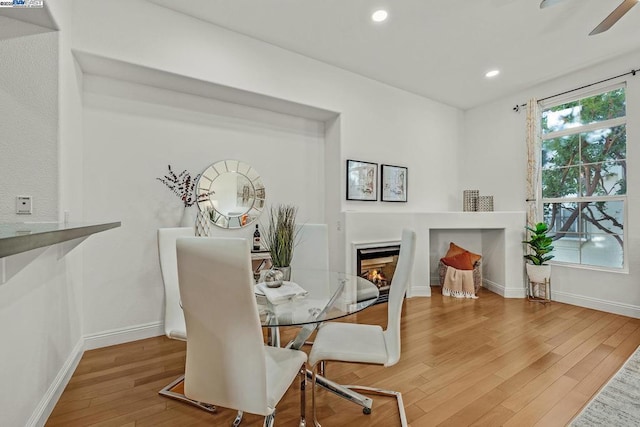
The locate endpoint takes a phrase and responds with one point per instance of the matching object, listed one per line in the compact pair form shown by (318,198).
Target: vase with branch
(280,237)
(183,186)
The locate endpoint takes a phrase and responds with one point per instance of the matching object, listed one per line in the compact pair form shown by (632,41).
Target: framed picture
(393,183)
(362,180)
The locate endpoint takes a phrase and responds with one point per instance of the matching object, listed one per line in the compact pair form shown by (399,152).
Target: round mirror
(235,193)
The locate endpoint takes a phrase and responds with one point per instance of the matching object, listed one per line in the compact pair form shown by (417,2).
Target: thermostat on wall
(23,205)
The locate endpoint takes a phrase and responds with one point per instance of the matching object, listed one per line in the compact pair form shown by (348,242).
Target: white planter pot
(538,273)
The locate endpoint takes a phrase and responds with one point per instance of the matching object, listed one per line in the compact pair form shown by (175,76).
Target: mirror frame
(205,192)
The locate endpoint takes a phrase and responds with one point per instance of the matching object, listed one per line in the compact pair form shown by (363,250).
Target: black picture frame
(362,181)
(394,182)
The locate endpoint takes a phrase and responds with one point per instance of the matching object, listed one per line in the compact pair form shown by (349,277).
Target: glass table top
(329,295)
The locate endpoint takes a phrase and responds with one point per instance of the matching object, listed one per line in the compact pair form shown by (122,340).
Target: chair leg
(269,420)
(238,419)
(366,408)
(396,394)
(167,391)
(313,397)
(303,398)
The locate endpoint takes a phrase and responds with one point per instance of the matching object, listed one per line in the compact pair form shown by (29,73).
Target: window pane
(603,250)
(567,248)
(562,218)
(603,217)
(604,179)
(561,182)
(604,144)
(604,106)
(589,218)
(562,151)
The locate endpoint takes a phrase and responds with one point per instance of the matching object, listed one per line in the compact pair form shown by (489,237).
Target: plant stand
(540,291)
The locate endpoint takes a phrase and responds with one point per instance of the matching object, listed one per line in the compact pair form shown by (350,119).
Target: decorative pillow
(457,250)
(461,261)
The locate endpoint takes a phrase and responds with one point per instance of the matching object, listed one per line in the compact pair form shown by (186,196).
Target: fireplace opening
(378,265)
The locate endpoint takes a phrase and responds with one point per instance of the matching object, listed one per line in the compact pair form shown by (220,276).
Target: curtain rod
(632,72)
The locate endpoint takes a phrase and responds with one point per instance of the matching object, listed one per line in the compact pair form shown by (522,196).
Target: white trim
(603,124)
(596,304)
(502,290)
(419,291)
(123,335)
(50,399)
(573,95)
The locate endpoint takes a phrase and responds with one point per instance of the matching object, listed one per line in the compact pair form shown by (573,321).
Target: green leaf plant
(539,244)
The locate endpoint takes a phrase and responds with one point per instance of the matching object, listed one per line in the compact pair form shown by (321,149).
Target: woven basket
(477,274)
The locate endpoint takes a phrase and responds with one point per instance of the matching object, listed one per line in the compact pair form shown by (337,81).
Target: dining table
(309,298)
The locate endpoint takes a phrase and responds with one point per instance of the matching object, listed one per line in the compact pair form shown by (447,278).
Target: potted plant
(539,253)
(280,237)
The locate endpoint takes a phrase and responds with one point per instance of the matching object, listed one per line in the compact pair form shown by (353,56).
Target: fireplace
(377,264)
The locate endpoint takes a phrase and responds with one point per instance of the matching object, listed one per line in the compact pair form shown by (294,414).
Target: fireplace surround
(497,235)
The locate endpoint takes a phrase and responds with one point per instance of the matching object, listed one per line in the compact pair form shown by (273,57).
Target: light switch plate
(23,205)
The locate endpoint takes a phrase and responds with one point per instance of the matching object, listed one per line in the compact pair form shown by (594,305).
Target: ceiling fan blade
(614,16)
(549,3)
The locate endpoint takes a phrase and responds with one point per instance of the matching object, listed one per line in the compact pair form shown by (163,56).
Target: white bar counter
(25,236)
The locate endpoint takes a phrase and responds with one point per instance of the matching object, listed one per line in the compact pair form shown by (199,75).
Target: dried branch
(183,186)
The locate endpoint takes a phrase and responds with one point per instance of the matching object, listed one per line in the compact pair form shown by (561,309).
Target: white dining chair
(228,364)
(370,344)
(174,326)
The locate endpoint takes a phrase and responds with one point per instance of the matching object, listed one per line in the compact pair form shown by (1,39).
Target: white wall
(28,125)
(39,305)
(376,123)
(129,142)
(494,161)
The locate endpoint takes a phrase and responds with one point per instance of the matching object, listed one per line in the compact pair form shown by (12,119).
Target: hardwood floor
(484,362)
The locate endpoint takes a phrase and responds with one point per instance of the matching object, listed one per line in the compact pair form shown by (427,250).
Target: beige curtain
(533,161)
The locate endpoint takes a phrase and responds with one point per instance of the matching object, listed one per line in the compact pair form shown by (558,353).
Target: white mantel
(497,236)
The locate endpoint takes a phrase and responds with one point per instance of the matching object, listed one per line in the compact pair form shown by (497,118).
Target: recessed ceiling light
(379,15)
(492,73)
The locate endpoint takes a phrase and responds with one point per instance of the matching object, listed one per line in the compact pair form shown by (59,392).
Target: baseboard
(50,398)
(419,291)
(120,336)
(502,290)
(596,304)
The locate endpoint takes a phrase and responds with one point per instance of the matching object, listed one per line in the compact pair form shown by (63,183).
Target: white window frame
(563,99)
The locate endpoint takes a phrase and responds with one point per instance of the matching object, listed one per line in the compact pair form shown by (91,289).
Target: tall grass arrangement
(280,237)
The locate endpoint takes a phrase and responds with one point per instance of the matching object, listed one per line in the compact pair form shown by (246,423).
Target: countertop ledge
(25,236)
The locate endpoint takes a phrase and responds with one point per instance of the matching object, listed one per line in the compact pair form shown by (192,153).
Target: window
(584,177)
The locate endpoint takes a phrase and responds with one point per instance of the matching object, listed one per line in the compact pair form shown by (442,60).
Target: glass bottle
(256,239)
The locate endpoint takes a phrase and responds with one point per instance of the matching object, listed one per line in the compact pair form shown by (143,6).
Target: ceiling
(440,49)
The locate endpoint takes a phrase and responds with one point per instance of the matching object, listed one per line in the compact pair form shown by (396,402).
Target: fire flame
(375,276)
